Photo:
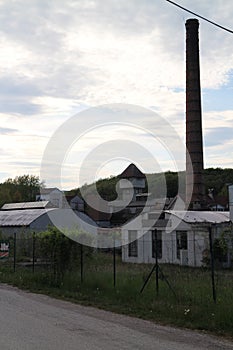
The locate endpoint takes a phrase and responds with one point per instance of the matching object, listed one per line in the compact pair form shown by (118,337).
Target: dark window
(181,242)
(162,216)
(133,245)
(156,237)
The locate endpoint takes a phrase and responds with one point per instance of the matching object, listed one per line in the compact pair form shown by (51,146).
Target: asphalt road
(35,322)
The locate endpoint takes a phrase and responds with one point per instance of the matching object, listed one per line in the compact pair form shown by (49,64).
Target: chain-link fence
(57,255)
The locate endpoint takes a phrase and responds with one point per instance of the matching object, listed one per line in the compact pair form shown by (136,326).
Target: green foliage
(223,245)
(217,178)
(220,249)
(24,188)
(167,182)
(20,189)
(105,187)
(55,247)
(108,188)
(172,183)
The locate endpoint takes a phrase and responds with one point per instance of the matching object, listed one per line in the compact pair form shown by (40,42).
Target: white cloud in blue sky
(58,58)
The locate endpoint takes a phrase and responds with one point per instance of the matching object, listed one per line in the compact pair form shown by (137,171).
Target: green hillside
(215,178)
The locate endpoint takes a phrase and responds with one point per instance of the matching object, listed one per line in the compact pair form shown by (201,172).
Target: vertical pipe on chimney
(194,159)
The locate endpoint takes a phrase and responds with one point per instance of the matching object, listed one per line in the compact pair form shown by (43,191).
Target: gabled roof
(217,200)
(132,171)
(26,205)
(75,199)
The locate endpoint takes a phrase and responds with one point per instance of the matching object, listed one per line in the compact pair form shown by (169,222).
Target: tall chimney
(195,191)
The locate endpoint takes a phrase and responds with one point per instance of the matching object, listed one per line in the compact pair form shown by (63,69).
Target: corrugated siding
(201,216)
(25,205)
(21,217)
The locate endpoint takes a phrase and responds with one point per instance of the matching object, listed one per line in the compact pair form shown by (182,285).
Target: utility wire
(204,18)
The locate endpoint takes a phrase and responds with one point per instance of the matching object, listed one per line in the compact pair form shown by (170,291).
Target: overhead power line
(204,18)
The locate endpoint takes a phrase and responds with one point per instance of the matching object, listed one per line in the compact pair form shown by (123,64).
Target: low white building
(182,236)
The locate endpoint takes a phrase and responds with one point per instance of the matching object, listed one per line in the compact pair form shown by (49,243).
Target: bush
(55,247)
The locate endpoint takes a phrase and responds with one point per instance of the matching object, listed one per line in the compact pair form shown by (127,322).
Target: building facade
(178,237)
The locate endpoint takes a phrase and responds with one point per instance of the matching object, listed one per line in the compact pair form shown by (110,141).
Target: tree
(20,189)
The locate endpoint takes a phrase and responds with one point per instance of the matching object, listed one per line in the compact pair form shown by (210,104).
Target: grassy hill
(216,178)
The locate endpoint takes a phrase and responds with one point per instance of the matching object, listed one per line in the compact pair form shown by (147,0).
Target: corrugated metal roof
(201,216)
(21,217)
(25,205)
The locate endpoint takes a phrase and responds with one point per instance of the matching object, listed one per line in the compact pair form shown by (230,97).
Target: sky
(58,59)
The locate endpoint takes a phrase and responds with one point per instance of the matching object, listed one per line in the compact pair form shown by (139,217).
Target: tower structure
(195,192)
(137,179)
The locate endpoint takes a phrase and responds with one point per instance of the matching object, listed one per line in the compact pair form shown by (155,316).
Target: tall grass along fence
(53,252)
(194,297)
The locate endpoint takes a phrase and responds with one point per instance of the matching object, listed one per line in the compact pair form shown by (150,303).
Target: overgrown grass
(192,305)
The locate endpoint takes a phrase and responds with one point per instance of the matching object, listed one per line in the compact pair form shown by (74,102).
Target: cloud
(218,136)
(60,57)
(19,106)
(7,131)
(18,86)
(107,51)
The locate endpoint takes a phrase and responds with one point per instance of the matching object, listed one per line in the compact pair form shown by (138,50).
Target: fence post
(81,263)
(33,251)
(156,263)
(14,259)
(114,264)
(212,263)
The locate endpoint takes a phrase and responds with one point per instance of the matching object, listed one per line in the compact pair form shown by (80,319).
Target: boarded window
(181,242)
(133,245)
(156,238)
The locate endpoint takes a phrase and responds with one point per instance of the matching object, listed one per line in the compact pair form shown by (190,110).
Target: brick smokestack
(195,191)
